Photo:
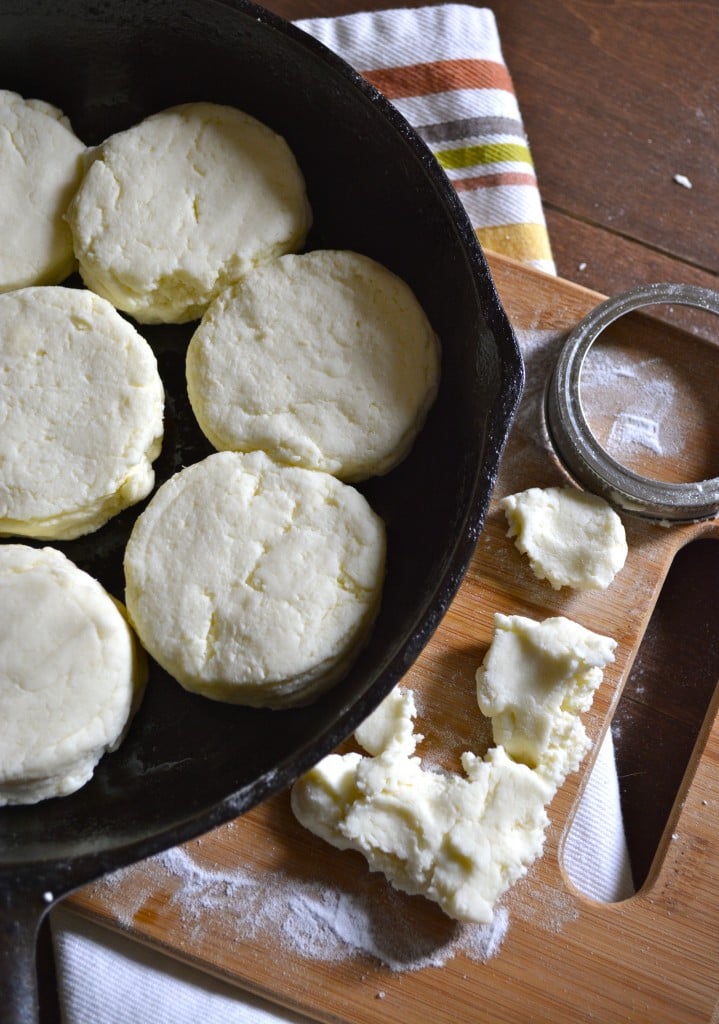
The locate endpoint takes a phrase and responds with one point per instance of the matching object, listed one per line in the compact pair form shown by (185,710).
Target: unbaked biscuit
(177,207)
(71,674)
(41,166)
(254,583)
(571,537)
(82,409)
(325,360)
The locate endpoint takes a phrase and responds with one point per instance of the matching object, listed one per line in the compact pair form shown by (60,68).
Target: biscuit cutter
(577,447)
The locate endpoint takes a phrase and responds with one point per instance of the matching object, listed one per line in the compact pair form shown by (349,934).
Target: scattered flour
(543,906)
(643,398)
(630,429)
(308,919)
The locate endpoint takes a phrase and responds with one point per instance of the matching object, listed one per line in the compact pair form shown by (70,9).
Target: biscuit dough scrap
(571,537)
(71,674)
(324,360)
(176,208)
(535,681)
(463,840)
(82,413)
(255,583)
(41,165)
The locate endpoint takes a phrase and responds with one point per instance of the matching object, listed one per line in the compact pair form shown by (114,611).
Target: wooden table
(617,98)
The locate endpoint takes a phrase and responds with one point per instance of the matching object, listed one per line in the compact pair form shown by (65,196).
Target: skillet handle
(20,915)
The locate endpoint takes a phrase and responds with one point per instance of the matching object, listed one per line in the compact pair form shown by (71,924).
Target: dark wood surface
(617,98)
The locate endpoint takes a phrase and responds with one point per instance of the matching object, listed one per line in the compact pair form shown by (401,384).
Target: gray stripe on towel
(469,127)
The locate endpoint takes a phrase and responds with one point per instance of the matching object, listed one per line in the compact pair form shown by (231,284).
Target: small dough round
(176,208)
(71,674)
(42,165)
(82,405)
(572,538)
(325,360)
(252,582)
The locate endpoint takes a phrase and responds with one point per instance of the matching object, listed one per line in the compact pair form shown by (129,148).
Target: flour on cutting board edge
(312,920)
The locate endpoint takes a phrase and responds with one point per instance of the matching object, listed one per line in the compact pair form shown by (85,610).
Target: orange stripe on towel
(492,180)
(440,76)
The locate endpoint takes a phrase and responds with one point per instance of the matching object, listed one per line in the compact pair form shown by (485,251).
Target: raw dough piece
(177,207)
(71,674)
(536,679)
(462,841)
(82,405)
(572,538)
(324,360)
(255,583)
(40,168)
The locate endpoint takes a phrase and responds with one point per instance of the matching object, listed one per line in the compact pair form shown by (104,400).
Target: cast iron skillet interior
(189,763)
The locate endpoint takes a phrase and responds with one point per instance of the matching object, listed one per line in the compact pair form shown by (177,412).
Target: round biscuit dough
(324,360)
(571,537)
(176,208)
(42,165)
(254,583)
(82,405)
(71,674)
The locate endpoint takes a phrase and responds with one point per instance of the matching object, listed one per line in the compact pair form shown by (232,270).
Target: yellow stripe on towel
(524,242)
(483,153)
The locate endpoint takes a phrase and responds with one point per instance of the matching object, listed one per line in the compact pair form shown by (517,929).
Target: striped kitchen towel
(442,67)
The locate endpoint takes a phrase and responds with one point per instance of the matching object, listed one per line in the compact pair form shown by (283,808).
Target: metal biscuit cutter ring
(573,440)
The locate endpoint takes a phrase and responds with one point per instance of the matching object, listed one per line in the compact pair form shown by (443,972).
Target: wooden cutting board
(560,956)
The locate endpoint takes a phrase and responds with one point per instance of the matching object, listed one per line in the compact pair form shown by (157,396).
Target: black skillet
(189,764)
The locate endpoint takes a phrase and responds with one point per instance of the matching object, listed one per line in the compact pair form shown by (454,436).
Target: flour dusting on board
(644,395)
(309,919)
(632,429)
(542,905)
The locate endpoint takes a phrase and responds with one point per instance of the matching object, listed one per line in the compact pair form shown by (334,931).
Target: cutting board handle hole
(667,707)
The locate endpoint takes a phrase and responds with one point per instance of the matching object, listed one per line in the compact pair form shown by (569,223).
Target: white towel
(442,67)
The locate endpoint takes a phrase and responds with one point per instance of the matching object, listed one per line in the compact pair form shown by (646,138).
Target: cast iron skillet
(189,764)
